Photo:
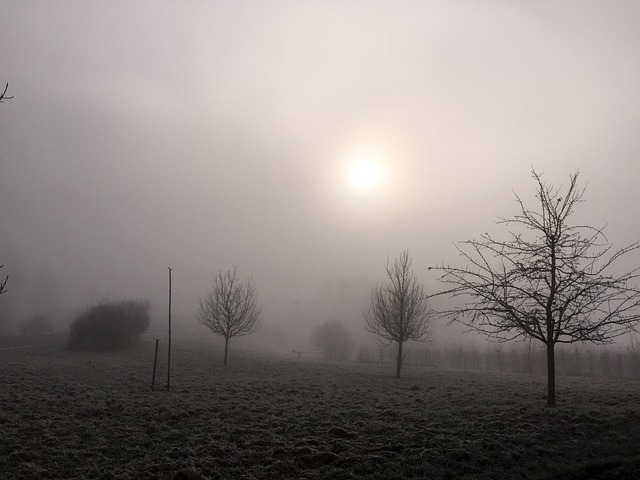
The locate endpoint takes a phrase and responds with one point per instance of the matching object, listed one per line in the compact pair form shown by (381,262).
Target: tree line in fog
(582,360)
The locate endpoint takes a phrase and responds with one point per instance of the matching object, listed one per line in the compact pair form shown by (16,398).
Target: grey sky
(199,135)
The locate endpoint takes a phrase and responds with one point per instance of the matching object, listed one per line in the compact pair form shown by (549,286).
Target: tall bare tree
(230,308)
(399,310)
(551,280)
(3,96)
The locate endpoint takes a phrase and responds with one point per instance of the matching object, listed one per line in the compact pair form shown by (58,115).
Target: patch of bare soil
(92,415)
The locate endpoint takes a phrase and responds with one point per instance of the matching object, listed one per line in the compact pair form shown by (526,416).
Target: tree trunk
(551,375)
(399,360)
(226,350)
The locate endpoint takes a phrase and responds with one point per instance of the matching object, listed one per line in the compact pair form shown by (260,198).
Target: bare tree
(3,95)
(230,308)
(550,280)
(399,311)
(3,284)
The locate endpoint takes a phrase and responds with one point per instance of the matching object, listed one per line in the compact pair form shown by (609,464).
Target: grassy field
(93,416)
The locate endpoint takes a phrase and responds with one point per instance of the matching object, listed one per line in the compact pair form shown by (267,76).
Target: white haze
(199,135)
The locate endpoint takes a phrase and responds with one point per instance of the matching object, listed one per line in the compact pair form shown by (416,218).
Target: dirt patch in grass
(92,415)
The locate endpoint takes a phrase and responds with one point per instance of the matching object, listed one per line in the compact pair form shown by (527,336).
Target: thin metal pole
(169,358)
(155,362)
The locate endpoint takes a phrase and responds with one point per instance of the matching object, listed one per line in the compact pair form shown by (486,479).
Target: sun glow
(365,173)
(363,181)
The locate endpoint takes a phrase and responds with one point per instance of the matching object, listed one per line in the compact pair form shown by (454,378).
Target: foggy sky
(199,135)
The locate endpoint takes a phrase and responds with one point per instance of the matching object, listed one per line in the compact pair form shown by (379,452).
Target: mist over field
(224,226)
(304,142)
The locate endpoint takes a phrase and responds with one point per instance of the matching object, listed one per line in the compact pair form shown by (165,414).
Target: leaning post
(155,362)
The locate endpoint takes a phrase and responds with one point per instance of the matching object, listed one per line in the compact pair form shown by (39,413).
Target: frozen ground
(93,416)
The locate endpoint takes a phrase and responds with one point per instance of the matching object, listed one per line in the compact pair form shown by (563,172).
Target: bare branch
(3,95)
(549,280)
(3,284)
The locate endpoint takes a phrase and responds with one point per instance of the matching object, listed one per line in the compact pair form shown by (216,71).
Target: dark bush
(334,340)
(109,325)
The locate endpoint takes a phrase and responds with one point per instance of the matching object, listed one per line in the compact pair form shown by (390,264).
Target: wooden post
(155,362)
(169,357)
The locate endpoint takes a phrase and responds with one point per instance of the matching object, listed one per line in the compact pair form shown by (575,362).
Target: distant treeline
(581,360)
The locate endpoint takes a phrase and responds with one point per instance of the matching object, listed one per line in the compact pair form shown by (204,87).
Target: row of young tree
(526,358)
(550,281)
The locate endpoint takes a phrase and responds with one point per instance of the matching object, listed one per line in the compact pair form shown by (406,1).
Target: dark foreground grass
(93,416)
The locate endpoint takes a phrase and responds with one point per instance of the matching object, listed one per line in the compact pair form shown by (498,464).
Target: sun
(365,173)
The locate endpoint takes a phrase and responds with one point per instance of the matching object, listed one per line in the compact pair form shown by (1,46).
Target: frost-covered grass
(92,415)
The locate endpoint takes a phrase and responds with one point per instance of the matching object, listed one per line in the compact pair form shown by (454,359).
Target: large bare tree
(551,280)
(399,310)
(230,308)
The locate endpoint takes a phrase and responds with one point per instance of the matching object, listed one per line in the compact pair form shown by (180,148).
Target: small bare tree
(551,282)
(399,311)
(230,308)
